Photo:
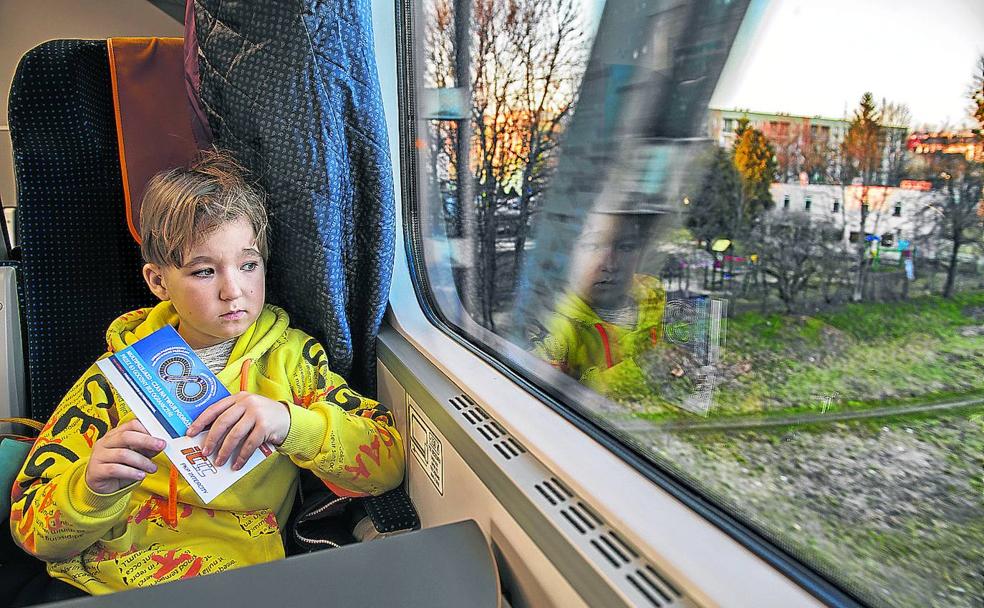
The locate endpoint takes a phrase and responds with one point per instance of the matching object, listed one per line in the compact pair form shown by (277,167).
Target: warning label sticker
(426,447)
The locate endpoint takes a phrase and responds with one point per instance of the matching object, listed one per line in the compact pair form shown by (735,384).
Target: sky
(817,57)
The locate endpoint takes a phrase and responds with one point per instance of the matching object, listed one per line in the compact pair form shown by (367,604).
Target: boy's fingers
(211,413)
(149,453)
(122,471)
(249,446)
(234,440)
(220,427)
(140,442)
(131,459)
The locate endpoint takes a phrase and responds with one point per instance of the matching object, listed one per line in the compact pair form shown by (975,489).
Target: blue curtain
(290,88)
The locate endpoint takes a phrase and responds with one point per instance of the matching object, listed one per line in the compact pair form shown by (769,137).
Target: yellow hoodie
(599,354)
(104,543)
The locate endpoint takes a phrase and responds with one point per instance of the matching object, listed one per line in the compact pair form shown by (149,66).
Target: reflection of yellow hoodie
(137,536)
(599,354)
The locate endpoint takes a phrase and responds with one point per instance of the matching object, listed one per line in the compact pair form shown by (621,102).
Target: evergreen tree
(712,210)
(861,155)
(862,149)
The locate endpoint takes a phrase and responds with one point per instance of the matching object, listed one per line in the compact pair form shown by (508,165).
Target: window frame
(746,536)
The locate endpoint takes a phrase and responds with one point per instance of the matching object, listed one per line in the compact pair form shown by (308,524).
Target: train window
(600,205)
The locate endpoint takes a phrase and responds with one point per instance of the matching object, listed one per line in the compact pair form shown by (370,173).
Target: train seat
(91,122)
(79,264)
(79,187)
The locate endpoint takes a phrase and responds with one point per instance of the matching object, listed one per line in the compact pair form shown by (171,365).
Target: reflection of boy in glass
(610,314)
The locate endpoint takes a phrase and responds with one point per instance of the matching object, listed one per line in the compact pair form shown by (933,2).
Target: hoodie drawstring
(244,374)
(171,512)
(604,343)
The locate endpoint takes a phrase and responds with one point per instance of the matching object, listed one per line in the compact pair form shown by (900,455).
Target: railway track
(741,423)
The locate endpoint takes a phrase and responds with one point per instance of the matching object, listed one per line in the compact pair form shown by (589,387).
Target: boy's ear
(154,276)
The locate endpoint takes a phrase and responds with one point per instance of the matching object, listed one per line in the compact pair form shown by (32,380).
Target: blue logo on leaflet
(185,378)
(171,380)
(188,387)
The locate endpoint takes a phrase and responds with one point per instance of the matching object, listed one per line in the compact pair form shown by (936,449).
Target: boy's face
(605,258)
(221,288)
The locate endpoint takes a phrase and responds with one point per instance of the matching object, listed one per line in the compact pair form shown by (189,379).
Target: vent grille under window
(638,578)
(493,432)
(607,545)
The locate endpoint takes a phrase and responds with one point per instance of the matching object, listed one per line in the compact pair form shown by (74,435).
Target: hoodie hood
(269,327)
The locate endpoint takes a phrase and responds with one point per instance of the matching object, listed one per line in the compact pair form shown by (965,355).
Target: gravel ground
(893,509)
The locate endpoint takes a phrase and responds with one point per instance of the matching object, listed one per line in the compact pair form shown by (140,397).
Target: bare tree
(552,45)
(976,94)
(439,73)
(895,119)
(792,250)
(801,147)
(956,209)
(959,206)
(819,155)
(447,70)
(526,61)
(786,139)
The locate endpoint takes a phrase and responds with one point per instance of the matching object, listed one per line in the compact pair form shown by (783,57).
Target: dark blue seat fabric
(80,267)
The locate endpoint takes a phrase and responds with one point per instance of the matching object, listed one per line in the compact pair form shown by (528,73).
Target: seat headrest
(154,123)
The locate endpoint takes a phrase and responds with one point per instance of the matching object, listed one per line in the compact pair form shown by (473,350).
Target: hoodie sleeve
(625,380)
(347,440)
(557,343)
(54,515)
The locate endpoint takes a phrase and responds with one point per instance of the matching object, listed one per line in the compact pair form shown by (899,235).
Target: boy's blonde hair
(183,205)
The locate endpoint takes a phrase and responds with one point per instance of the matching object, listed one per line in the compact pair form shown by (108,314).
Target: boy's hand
(121,457)
(240,423)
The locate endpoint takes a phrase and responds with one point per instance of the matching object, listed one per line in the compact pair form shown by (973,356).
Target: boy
(610,314)
(98,500)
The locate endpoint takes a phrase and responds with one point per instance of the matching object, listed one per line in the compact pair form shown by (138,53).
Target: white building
(894,213)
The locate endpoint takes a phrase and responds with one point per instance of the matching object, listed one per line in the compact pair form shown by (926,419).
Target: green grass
(927,315)
(866,355)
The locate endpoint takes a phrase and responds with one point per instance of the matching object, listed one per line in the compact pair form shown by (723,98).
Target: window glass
(603,193)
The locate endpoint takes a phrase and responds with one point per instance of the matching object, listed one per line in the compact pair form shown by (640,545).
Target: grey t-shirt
(216,357)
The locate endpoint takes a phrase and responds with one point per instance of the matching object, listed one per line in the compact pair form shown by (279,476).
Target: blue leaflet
(169,377)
